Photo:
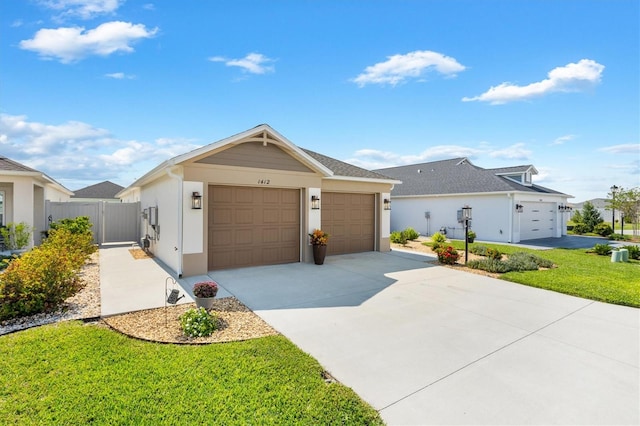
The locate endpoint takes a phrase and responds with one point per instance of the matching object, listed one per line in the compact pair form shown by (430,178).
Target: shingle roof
(340,168)
(454,176)
(514,169)
(13,166)
(102,190)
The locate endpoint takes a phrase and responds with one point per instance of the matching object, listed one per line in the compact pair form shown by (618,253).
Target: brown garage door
(350,221)
(253,226)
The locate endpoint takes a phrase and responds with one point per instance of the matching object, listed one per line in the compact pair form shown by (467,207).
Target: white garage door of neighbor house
(253,226)
(537,221)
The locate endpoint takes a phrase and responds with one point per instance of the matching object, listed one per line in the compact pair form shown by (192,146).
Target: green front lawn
(579,274)
(70,373)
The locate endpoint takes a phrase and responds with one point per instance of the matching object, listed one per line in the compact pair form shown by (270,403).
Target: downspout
(180,216)
(511,208)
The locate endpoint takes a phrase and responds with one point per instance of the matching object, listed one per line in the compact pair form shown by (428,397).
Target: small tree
(628,202)
(577,217)
(590,216)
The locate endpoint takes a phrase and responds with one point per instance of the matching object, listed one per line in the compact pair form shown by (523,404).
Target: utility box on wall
(153,216)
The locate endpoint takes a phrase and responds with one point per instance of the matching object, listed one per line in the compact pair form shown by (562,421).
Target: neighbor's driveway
(426,344)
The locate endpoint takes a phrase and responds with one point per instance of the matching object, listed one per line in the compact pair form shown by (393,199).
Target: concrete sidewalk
(425,344)
(128,284)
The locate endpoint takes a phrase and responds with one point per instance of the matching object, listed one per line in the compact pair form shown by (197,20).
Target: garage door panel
(537,221)
(243,195)
(243,216)
(251,226)
(349,219)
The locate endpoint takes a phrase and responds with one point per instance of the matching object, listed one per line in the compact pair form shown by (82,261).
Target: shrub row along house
(253,198)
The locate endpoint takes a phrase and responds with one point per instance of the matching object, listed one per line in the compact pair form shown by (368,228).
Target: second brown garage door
(350,221)
(253,226)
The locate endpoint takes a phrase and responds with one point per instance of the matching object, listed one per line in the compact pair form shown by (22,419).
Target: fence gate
(111,222)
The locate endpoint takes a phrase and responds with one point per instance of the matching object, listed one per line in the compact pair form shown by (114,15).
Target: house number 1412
(264,181)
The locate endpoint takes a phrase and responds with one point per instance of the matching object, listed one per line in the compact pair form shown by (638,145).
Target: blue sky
(94,90)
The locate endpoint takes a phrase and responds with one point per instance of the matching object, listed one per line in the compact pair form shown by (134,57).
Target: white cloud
(374,159)
(562,139)
(573,77)
(83,9)
(120,76)
(149,6)
(513,152)
(254,63)
(17,23)
(80,152)
(398,68)
(69,44)
(628,148)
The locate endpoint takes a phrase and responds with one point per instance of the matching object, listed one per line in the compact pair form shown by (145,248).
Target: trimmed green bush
(438,238)
(486,252)
(398,237)
(488,264)
(601,249)
(580,228)
(411,234)
(41,279)
(603,229)
(620,237)
(518,261)
(634,252)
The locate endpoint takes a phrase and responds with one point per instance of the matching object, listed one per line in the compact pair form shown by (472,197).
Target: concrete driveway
(425,344)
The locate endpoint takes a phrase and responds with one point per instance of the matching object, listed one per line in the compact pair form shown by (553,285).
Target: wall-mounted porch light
(196,200)
(315,202)
(519,208)
(387,204)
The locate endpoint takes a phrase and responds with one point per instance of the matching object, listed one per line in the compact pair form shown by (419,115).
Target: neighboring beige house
(23,192)
(260,197)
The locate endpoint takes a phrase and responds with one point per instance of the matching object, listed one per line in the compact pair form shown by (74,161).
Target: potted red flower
(204,293)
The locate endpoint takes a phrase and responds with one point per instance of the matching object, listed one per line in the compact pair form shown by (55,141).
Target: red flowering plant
(205,289)
(447,255)
(318,237)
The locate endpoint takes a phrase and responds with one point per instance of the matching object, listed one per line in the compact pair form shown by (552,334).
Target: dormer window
(527,177)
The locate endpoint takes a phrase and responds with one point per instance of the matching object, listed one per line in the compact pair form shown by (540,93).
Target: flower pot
(470,240)
(204,302)
(319,252)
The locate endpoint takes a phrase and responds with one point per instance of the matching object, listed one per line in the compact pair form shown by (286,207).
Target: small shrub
(16,235)
(438,238)
(620,237)
(494,254)
(398,237)
(603,229)
(411,234)
(479,250)
(198,323)
(486,252)
(78,225)
(634,252)
(38,281)
(580,228)
(447,255)
(488,264)
(601,249)
(520,261)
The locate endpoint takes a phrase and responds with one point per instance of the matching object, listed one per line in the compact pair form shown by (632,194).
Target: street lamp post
(466,215)
(614,189)
(621,223)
